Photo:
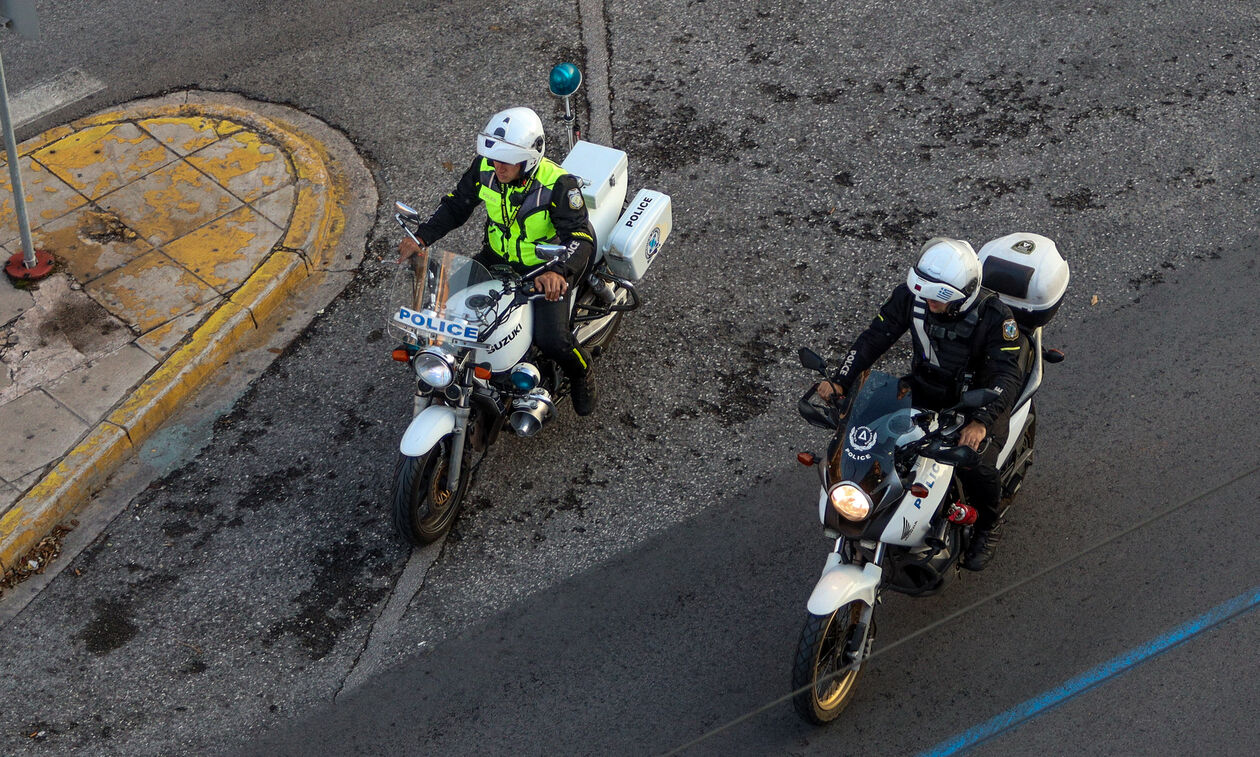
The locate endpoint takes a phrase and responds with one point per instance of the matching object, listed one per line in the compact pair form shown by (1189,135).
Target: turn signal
(806,458)
(919,490)
(401,355)
(481,372)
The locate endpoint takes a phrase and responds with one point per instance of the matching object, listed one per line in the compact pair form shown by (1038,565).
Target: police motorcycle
(898,516)
(467,332)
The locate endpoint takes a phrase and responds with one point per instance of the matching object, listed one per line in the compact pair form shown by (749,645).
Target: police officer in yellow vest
(528,199)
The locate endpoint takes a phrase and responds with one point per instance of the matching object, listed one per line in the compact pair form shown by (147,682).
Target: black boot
(983,545)
(582,392)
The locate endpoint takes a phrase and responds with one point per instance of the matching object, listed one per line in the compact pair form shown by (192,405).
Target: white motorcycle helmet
(948,271)
(514,135)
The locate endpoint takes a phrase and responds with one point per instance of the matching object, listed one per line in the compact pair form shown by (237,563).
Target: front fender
(841,584)
(433,423)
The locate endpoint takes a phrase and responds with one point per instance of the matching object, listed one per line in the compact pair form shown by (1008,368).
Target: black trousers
(551,323)
(983,482)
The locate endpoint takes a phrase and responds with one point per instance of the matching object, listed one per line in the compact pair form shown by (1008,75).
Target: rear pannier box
(639,234)
(1028,273)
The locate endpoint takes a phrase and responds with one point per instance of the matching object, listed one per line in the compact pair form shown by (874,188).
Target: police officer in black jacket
(528,199)
(964,338)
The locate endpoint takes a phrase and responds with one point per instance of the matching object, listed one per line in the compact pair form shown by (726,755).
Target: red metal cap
(17,270)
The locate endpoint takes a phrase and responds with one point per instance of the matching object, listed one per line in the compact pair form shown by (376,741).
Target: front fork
(857,643)
(458,436)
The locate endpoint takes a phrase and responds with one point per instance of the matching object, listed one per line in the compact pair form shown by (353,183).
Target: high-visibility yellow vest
(518,213)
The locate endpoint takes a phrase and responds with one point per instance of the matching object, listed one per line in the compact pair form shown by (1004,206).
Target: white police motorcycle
(467,333)
(889,499)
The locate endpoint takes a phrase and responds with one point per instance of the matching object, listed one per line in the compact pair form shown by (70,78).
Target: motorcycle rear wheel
(824,688)
(424,509)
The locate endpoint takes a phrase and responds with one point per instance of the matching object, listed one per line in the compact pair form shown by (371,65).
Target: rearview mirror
(406,211)
(812,360)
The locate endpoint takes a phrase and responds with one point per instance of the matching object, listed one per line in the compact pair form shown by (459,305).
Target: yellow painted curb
(314,229)
(74,479)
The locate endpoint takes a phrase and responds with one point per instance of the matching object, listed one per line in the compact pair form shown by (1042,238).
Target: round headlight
(434,367)
(851,502)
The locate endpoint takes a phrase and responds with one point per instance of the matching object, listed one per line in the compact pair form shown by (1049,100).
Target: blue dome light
(564,80)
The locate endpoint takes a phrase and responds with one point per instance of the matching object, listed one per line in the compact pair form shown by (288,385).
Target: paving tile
(8,495)
(100,159)
(13,301)
(92,390)
(278,206)
(64,329)
(246,165)
(224,252)
(37,432)
(91,243)
(169,203)
(47,198)
(149,291)
(188,134)
(163,340)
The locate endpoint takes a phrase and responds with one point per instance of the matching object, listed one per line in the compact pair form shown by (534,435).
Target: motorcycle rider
(528,199)
(964,338)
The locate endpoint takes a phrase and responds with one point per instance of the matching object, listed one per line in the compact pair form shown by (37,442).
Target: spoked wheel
(424,506)
(821,667)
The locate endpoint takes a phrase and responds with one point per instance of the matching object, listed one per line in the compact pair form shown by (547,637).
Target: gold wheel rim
(838,688)
(439,495)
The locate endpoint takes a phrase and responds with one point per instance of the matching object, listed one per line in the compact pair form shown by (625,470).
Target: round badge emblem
(861,438)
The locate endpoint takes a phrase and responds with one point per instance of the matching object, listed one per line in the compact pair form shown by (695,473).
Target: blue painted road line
(1114,667)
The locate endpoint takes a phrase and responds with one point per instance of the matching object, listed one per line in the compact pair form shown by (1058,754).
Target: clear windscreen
(441,297)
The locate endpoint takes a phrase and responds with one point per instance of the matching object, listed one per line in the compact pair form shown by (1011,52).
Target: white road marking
(52,95)
(386,625)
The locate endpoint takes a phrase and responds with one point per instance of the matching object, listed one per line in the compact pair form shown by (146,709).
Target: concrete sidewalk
(179,224)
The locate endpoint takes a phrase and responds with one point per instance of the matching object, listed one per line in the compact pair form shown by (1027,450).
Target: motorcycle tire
(822,692)
(424,509)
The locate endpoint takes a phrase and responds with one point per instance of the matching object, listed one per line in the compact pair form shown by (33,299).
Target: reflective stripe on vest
(518,214)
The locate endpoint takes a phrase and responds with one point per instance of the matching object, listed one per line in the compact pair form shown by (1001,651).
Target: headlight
(434,367)
(851,502)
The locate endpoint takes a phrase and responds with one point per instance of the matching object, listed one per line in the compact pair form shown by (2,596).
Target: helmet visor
(929,288)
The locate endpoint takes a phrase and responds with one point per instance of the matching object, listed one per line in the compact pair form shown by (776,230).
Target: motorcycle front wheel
(821,676)
(424,508)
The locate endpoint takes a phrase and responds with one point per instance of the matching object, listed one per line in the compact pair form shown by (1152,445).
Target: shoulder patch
(575,198)
(1010,330)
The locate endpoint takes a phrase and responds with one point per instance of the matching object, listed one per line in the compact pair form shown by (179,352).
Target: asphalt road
(696,627)
(634,579)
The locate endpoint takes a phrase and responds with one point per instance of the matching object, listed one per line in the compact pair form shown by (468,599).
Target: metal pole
(15,174)
(568,118)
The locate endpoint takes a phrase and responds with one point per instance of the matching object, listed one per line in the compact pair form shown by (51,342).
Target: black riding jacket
(572,224)
(980,349)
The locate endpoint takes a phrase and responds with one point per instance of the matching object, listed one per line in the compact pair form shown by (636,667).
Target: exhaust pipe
(530,412)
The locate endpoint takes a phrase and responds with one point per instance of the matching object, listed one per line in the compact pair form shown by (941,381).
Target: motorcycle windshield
(877,421)
(441,297)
